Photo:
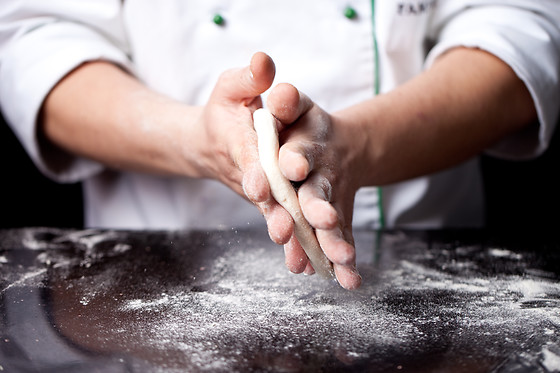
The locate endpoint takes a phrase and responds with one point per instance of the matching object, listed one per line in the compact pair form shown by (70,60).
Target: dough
(284,193)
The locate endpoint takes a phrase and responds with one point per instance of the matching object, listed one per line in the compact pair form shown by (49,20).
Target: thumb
(246,83)
(262,72)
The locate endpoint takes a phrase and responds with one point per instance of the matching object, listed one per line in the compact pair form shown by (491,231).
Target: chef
(382,107)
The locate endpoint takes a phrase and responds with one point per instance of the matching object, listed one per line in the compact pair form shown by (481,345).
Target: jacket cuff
(31,66)
(531,51)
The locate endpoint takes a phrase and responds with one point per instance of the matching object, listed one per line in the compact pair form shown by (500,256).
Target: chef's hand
(231,154)
(419,128)
(316,152)
(142,130)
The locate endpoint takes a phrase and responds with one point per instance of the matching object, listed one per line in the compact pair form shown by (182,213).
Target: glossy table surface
(223,301)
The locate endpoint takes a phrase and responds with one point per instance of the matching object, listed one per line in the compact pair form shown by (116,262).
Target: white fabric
(175,48)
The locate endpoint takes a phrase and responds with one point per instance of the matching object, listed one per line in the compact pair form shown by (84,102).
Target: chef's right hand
(231,154)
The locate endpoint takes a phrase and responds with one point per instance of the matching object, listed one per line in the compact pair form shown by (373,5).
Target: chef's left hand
(316,152)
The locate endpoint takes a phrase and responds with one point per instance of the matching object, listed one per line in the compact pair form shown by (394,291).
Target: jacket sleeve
(525,34)
(41,42)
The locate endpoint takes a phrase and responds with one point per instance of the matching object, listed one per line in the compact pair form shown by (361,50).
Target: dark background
(28,197)
(520,195)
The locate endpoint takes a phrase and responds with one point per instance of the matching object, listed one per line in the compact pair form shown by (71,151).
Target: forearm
(464,103)
(100,112)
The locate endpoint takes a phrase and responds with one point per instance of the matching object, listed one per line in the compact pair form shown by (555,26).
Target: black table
(222,301)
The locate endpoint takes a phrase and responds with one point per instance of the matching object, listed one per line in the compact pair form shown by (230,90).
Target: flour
(551,359)
(502,253)
(27,279)
(48,248)
(226,303)
(254,306)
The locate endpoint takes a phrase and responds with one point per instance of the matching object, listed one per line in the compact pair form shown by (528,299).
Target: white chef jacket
(176,48)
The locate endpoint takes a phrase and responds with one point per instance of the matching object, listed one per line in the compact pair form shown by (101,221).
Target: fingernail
(309,271)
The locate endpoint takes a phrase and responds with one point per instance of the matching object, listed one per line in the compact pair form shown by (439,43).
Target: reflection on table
(222,301)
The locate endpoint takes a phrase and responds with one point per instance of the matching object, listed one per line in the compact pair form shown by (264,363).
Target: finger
(255,184)
(314,196)
(244,156)
(309,270)
(347,276)
(303,142)
(296,259)
(336,247)
(287,104)
(262,71)
(279,222)
(247,83)
(340,250)
(295,161)
(339,247)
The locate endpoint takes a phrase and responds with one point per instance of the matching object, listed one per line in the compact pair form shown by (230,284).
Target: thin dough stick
(284,193)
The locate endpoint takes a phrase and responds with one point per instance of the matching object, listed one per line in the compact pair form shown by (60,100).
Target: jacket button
(350,12)
(218,19)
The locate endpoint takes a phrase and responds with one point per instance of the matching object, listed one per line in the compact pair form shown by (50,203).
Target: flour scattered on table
(502,253)
(551,358)
(262,310)
(224,302)
(252,307)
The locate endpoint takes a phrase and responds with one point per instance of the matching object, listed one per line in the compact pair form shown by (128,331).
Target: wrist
(354,146)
